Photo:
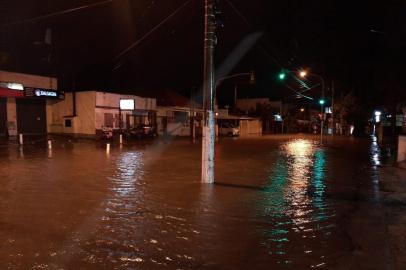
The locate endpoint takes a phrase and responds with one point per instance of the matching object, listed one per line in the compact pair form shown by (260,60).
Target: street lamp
(322,101)
(252,81)
(251,74)
(303,73)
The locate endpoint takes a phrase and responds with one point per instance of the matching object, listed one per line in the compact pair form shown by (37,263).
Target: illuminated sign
(13,86)
(127,104)
(43,93)
(278,118)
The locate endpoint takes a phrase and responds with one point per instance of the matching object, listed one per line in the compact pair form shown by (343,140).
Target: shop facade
(88,113)
(25,103)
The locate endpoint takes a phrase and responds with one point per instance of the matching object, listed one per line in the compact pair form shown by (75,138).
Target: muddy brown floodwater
(279,203)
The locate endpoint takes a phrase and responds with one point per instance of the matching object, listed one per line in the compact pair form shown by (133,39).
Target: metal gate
(3,116)
(31,116)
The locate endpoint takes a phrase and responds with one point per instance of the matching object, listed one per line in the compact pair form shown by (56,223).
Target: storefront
(25,102)
(88,113)
(31,116)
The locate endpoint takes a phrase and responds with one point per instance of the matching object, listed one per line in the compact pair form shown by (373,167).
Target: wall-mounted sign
(43,93)
(13,86)
(127,104)
(8,89)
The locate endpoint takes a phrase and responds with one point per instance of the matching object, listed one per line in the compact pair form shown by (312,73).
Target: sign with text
(43,93)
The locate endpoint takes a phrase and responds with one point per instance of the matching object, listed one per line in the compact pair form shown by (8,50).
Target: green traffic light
(322,101)
(282,76)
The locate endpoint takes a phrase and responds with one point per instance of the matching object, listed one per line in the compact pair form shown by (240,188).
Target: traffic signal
(282,75)
(322,101)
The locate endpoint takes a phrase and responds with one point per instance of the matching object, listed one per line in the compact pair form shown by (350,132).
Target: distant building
(269,112)
(251,104)
(25,103)
(246,125)
(175,113)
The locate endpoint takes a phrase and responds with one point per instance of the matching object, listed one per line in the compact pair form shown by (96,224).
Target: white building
(86,113)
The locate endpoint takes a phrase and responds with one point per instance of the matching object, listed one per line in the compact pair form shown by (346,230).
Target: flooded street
(279,203)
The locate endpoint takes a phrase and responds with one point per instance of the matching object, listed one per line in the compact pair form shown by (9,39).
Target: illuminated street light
(303,74)
(302,109)
(377,116)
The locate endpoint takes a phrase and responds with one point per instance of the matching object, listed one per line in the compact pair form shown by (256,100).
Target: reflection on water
(129,169)
(375,151)
(295,205)
(143,206)
(376,160)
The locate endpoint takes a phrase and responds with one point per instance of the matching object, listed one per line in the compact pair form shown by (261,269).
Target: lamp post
(304,74)
(321,102)
(221,79)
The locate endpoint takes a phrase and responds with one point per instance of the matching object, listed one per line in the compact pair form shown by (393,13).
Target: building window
(108,120)
(68,123)
(117,120)
(180,117)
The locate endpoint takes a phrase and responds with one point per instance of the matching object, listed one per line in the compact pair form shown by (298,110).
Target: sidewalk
(393,195)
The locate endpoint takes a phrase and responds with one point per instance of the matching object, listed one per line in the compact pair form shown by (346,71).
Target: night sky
(358,44)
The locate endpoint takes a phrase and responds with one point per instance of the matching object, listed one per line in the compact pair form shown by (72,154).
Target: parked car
(107,133)
(141,131)
(228,129)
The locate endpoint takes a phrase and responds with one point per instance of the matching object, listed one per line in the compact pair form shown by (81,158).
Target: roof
(236,117)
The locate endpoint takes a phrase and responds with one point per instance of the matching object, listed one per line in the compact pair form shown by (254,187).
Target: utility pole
(208,138)
(192,116)
(332,106)
(322,110)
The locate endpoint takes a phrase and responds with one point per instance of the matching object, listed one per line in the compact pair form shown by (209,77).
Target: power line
(57,13)
(137,42)
(264,50)
(245,20)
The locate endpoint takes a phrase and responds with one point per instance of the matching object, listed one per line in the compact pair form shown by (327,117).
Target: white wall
(402,149)
(28,80)
(83,123)
(86,116)
(250,127)
(109,103)
(12,116)
(90,109)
